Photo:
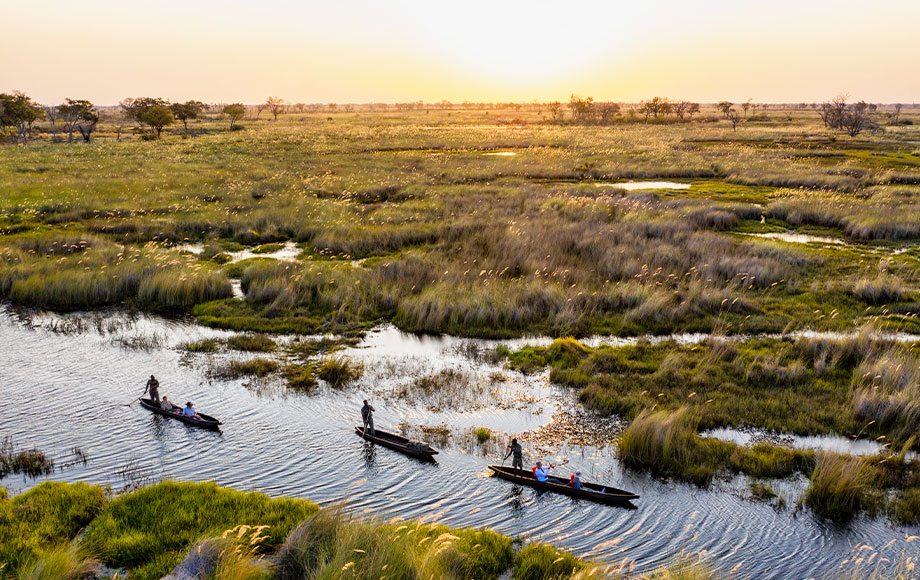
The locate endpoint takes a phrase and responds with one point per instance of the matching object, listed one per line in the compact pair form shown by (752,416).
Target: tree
(608,111)
(680,108)
(51,113)
(17,110)
(583,109)
(78,114)
(897,113)
(134,108)
(275,106)
(157,117)
(693,109)
(746,106)
(236,111)
(555,109)
(655,107)
(187,110)
(725,107)
(855,119)
(734,118)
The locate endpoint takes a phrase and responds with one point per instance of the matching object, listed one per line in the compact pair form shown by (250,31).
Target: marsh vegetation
(431,235)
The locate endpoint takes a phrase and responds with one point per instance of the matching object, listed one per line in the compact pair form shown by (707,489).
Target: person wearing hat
(153,385)
(576,480)
(189,411)
(540,472)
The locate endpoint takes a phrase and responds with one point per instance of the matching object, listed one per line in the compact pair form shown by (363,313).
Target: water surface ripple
(62,391)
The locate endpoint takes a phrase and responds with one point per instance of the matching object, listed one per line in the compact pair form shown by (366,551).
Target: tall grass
(59,563)
(886,391)
(667,444)
(339,371)
(839,486)
(331,545)
(44,518)
(147,531)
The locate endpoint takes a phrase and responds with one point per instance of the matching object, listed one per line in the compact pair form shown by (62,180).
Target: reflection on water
(835,443)
(300,445)
(637,185)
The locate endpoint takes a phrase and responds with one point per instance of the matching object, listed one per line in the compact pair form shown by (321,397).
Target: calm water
(59,391)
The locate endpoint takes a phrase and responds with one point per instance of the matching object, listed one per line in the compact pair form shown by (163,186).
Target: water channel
(65,382)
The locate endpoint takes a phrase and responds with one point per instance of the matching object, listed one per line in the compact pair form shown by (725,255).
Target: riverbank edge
(57,529)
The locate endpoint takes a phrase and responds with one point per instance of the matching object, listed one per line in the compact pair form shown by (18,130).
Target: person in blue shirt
(540,472)
(189,411)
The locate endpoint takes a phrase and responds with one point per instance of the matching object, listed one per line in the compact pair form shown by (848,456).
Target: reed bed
(427,232)
(858,385)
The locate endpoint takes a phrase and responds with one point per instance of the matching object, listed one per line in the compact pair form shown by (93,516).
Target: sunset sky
(398,50)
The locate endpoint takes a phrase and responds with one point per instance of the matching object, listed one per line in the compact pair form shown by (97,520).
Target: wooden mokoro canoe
(399,443)
(205,422)
(592,491)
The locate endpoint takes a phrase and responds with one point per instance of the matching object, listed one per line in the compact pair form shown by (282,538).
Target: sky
(477,50)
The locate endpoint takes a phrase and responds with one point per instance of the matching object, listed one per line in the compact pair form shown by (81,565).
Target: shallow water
(799,238)
(69,388)
(637,185)
(288,253)
(835,443)
(501,153)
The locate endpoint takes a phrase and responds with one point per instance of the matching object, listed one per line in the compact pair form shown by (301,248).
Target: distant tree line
(587,111)
(19,113)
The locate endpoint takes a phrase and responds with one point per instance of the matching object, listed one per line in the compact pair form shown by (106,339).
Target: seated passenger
(576,480)
(189,411)
(165,404)
(540,472)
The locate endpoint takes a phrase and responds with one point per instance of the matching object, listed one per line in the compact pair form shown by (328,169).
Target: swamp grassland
(405,217)
(858,386)
(59,531)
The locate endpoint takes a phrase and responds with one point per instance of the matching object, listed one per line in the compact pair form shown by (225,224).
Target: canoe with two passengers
(592,491)
(205,421)
(417,449)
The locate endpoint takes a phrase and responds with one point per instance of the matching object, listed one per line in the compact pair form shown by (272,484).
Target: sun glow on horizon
(361,51)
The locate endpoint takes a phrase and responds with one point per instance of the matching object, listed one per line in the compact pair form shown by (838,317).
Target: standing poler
(367,416)
(153,385)
(515,450)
